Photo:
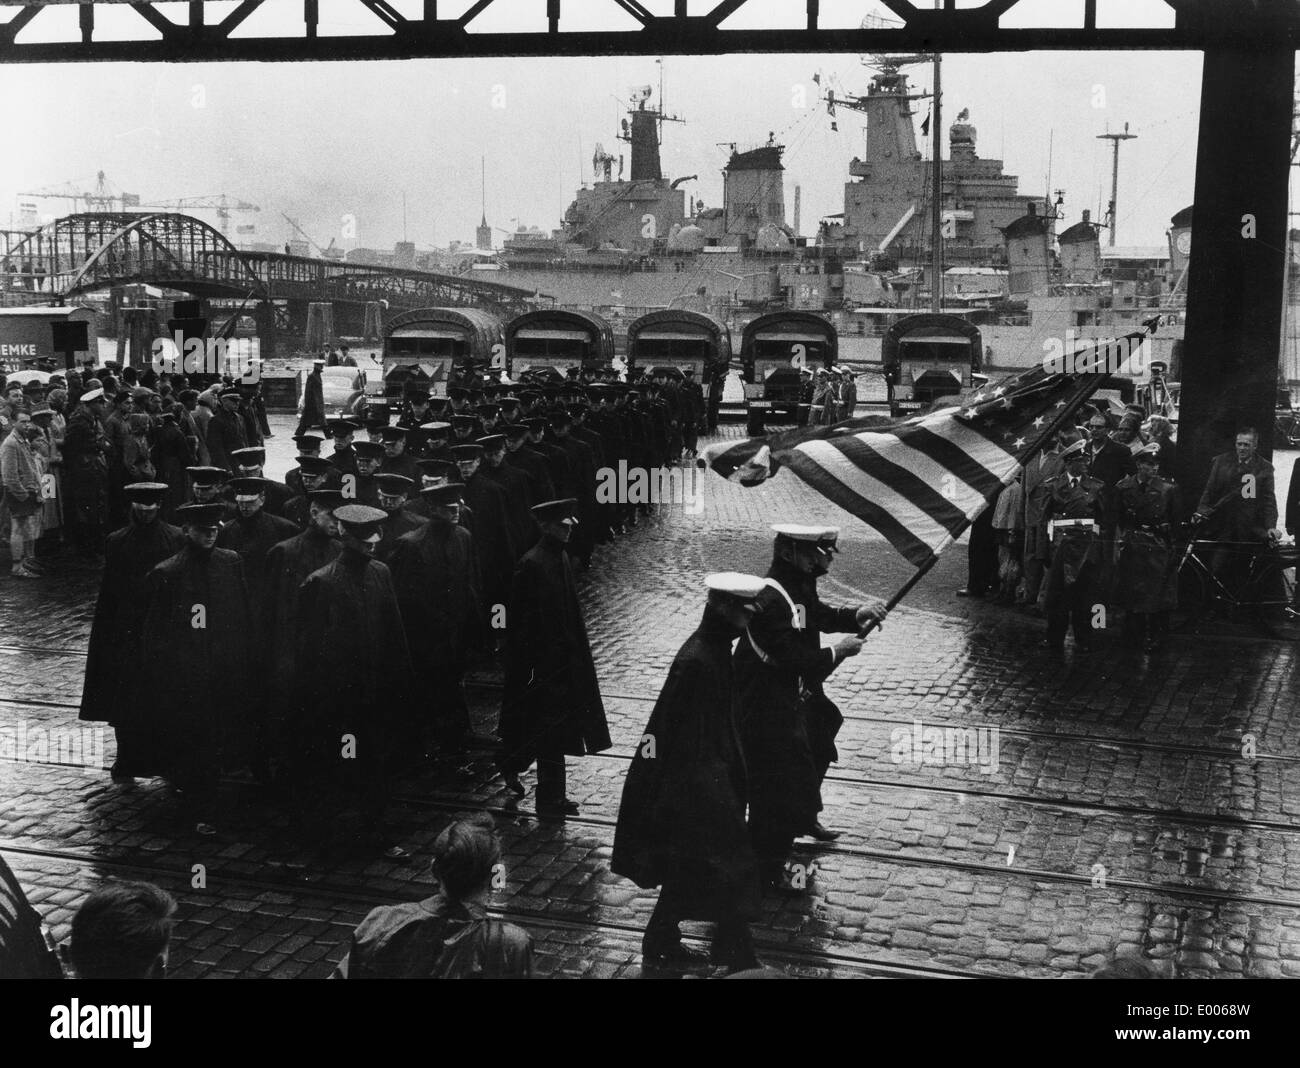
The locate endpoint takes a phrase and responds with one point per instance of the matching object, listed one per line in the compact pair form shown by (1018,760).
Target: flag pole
(1046,435)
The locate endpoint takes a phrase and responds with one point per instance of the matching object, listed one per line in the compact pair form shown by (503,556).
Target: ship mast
(936,200)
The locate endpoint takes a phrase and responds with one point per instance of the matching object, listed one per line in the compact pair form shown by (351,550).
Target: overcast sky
(323,142)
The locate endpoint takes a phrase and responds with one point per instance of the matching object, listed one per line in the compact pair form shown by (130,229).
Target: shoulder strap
(795,621)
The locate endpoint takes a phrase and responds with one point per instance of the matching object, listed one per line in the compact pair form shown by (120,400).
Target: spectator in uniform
(1148,512)
(1074,516)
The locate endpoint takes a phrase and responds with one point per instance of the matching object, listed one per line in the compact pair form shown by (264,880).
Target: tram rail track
(772,951)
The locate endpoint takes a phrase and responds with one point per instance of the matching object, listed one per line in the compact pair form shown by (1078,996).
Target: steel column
(1234,290)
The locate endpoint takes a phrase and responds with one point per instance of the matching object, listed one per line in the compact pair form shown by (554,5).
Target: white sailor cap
(820,535)
(1149,451)
(434,427)
(1075,451)
(735,584)
(92,395)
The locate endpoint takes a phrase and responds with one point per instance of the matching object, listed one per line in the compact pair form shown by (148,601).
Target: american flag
(922,481)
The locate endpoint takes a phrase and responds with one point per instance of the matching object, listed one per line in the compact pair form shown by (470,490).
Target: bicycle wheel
(1267,596)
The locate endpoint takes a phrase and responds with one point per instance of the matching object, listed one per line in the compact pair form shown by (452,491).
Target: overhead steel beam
(1198,25)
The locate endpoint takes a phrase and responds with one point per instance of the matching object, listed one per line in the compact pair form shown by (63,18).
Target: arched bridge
(100,250)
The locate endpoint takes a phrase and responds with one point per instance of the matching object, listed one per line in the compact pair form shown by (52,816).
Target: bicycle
(1254,579)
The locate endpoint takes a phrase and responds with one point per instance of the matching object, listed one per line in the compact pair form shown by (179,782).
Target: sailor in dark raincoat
(1148,511)
(252,533)
(517,487)
(250,463)
(582,465)
(397,453)
(681,823)
(1075,513)
(288,565)
(522,458)
(551,703)
(195,675)
(787,724)
(394,491)
(309,444)
(496,548)
(354,675)
(117,628)
(313,473)
(343,456)
(435,572)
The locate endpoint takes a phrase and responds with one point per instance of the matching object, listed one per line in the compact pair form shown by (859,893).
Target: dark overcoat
(681,821)
(551,702)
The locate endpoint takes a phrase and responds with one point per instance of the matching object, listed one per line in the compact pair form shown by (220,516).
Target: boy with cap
(681,821)
(1149,511)
(116,628)
(194,680)
(435,570)
(361,486)
(354,677)
(20,477)
(787,723)
(551,704)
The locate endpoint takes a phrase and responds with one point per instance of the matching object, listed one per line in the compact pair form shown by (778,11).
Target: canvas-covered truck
(680,338)
(926,357)
(775,351)
(433,348)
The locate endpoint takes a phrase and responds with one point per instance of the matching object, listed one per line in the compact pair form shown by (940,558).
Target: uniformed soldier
(518,490)
(394,490)
(253,531)
(354,676)
(1074,514)
(288,565)
(528,461)
(787,723)
(314,473)
(197,678)
(492,535)
(551,703)
(116,630)
(309,443)
(364,490)
(435,571)
(250,463)
(437,440)
(1148,511)
(465,428)
(397,458)
(681,821)
(207,484)
(344,456)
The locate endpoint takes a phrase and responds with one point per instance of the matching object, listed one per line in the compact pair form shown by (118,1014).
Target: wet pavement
(1117,802)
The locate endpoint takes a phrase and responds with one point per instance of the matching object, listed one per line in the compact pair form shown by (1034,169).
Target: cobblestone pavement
(1120,810)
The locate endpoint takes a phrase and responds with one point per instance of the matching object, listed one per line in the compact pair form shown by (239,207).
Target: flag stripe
(973,463)
(828,485)
(920,482)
